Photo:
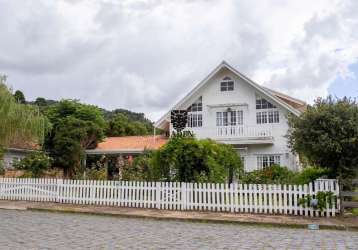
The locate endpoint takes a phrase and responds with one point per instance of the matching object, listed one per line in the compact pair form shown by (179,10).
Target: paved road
(40,230)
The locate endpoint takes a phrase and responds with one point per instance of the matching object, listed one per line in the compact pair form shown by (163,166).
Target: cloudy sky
(145,55)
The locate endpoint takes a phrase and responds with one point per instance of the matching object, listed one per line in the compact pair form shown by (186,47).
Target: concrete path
(342,223)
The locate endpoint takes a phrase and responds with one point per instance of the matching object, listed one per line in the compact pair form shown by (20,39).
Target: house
(113,152)
(127,145)
(17,151)
(230,108)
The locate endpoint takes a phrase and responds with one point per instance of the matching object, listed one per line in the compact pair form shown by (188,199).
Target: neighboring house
(16,152)
(114,152)
(230,108)
(127,145)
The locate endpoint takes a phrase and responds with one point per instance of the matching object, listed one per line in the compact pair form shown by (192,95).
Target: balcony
(241,134)
(244,131)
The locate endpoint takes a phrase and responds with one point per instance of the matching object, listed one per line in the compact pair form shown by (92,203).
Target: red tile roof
(128,143)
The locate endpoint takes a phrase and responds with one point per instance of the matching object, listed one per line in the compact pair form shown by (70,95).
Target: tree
(131,117)
(19,97)
(120,125)
(327,135)
(19,120)
(76,127)
(187,159)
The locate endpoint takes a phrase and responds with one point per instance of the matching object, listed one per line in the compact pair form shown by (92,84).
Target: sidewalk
(342,223)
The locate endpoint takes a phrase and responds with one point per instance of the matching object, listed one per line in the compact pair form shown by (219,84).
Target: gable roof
(294,102)
(128,144)
(282,100)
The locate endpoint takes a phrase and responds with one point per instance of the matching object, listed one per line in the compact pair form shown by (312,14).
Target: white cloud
(145,55)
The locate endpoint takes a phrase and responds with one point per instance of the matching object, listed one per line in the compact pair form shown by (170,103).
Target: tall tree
(76,127)
(327,134)
(120,125)
(19,97)
(18,120)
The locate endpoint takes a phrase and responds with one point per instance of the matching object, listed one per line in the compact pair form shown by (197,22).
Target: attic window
(197,105)
(262,103)
(227,84)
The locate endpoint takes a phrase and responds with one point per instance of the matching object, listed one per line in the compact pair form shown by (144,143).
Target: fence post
(157,194)
(340,197)
(183,195)
(58,190)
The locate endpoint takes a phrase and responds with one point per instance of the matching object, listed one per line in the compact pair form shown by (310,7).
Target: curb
(13,208)
(195,220)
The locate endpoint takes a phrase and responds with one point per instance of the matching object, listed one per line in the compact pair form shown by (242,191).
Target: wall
(11,156)
(245,95)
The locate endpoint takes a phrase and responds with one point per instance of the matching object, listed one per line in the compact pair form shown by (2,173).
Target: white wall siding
(260,138)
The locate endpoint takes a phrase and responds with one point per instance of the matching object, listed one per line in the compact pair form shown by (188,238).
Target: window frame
(226,118)
(266,160)
(195,120)
(195,115)
(227,84)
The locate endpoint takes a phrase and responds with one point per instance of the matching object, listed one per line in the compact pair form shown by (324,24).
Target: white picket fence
(236,198)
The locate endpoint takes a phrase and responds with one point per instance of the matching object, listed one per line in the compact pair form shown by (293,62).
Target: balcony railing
(244,131)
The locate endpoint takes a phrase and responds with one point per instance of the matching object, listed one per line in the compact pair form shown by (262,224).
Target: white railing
(244,131)
(235,198)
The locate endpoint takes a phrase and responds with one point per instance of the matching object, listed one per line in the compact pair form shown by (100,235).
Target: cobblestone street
(42,230)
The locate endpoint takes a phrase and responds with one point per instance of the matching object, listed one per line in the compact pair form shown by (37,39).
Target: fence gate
(28,189)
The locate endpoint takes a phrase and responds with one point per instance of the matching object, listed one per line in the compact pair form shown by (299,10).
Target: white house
(230,108)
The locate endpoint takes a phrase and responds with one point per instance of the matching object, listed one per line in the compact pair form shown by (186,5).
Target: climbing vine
(319,202)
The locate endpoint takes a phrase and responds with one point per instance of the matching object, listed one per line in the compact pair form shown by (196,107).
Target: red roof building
(128,144)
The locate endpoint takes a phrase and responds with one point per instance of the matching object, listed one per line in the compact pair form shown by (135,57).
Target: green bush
(310,174)
(35,163)
(186,159)
(274,174)
(139,169)
(96,174)
(281,175)
(2,168)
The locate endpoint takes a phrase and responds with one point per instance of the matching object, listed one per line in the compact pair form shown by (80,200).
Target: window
(243,160)
(229,118)
(227,84)
(219,119)
(262,103)
(195,120)
(268,117)
(197,105)
(273,116)
(264,161)
(195,117)
(268,112)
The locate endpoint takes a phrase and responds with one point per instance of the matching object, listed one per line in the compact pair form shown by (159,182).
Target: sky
(145,55)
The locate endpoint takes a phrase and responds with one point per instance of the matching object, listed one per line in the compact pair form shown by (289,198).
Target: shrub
(138,169)
(35,163)
(310,174)
(96,174)
(2,168)
(274,174)
(186,159)
(281,175)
